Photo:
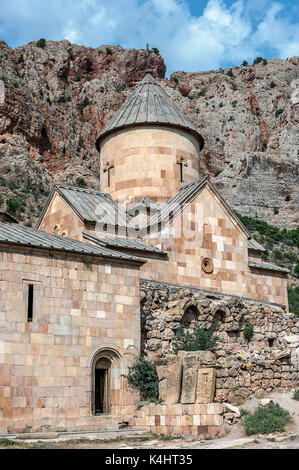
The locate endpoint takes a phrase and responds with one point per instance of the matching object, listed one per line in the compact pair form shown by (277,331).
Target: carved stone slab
(206,380)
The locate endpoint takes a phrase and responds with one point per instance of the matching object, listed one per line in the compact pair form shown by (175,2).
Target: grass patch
(265,420)
(296,395)
(7,442)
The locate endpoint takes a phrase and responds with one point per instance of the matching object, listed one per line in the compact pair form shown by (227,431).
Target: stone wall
(268,361)
(145,162)
(177,419)
(47,365)
(205,229)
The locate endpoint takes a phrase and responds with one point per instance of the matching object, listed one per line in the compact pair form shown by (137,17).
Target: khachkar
(186,390)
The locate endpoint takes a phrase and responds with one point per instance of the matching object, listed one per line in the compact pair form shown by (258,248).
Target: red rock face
(58,99)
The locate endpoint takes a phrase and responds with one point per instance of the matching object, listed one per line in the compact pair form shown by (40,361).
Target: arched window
(190,316)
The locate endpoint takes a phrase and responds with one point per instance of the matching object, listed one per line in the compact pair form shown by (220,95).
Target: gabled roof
(174,206)
(254,245)
(14,234)
(6,217)
(149,104)
(123,243)
(143,202)
(267,266)
(90,205)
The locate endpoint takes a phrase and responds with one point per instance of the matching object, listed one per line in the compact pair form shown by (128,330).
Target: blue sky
(192,35)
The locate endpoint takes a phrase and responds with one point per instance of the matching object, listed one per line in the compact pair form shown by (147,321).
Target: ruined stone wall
(269,360)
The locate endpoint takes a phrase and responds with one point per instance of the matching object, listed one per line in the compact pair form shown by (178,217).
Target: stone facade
(178,419)
(145,162)
(205,229)
(82,311)
(269,360)
(60,218)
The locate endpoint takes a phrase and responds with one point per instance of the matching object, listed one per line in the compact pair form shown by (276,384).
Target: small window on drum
(207,265)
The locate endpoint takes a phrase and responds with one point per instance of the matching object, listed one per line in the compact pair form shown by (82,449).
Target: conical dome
(149,104)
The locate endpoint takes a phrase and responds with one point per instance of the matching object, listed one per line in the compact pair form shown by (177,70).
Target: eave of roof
(254,245)
(123,243)
(267,266)
(18,235)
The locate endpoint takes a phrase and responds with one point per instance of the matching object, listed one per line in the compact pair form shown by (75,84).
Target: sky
(192,35)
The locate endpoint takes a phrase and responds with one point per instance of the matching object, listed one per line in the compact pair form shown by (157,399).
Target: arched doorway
(102,384)
(106,367)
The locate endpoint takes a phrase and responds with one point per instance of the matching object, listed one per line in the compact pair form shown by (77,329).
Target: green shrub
(217,172)
(230,73)
(258,60)
(1,200)
(234,104)
(80,182)
(296,395)
(296,269)
(248,332)
(278,112)
(265,420)
(14,205)
(244,63)
(155,50)
(41,43)
(272,233)
(78,77)
(175,80)
(2,181)
(81,141)
(4,442)
(197,340)
(143,375)
(20,59)
(202,92)
(109,51)
(293,297)
(84,103)
(276,210)
(272,85)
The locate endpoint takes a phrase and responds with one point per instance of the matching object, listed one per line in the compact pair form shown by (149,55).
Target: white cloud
(222,34)
(276,31)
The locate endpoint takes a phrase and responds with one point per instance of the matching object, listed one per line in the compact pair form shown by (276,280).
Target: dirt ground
(235,437)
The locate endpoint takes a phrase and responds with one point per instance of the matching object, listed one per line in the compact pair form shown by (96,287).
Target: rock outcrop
(59,97)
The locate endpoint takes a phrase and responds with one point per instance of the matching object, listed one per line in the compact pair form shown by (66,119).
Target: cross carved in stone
(108,168)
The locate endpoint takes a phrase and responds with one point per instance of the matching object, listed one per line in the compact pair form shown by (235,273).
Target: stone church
(70,288)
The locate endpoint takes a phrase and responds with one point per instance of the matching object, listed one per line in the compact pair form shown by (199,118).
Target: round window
(207,265)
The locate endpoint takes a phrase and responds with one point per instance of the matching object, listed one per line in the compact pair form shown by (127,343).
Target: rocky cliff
(59,96)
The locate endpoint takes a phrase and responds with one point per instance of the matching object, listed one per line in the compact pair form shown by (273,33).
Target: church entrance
(102,386)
